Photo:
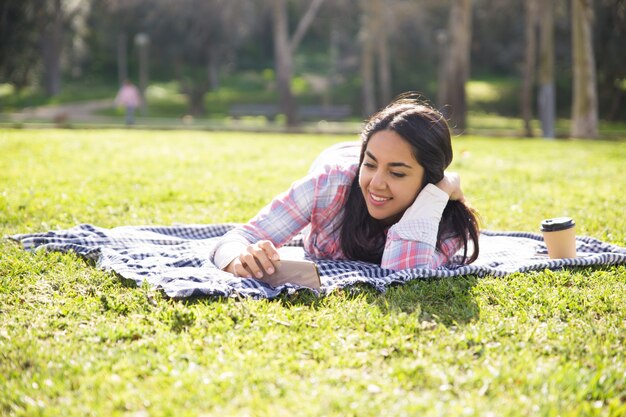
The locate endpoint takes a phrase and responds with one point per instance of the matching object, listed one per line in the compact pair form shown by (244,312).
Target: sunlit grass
(483,91)
(6,90)
(76,341)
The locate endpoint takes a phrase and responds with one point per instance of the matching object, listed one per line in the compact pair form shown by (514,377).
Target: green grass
(76,341)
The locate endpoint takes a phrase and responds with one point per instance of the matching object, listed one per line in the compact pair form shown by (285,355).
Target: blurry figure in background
(130,98)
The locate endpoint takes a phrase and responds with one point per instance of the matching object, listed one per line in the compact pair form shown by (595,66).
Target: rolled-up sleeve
(411,243)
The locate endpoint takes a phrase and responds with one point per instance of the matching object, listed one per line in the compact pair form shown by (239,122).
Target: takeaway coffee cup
(559,234)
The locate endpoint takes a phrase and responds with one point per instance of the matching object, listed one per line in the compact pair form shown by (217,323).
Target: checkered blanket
(174,259)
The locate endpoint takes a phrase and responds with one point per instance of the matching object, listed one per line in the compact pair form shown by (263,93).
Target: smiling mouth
(376,199)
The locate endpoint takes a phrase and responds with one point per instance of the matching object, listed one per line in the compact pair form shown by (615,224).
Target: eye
(398,174)
(368,165)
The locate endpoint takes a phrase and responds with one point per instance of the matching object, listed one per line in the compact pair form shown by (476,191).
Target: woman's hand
(259,259)
(451,184)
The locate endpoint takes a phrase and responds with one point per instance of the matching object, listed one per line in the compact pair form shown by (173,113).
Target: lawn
(76,341)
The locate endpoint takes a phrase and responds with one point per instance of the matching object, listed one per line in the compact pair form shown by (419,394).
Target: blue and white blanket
(174,259)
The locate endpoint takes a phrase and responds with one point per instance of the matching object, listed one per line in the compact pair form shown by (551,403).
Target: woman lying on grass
(394,206)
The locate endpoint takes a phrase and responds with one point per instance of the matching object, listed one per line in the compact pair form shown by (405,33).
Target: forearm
(227,250)
(412,242)
(415,250)
(277,222)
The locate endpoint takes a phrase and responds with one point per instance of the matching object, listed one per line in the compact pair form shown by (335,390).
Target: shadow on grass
(447,301)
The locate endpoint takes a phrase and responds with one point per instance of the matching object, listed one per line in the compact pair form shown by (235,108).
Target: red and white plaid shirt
(315,204)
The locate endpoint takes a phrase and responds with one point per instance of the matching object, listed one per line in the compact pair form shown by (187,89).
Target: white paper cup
(559,235)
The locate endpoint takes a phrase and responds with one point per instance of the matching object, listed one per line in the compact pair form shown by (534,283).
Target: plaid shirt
(314,205)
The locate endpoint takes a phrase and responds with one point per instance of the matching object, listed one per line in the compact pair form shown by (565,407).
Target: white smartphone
(301,272)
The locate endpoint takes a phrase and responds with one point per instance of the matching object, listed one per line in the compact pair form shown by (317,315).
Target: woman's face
(390,177)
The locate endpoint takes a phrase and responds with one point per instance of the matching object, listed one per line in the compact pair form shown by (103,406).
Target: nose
(378,181)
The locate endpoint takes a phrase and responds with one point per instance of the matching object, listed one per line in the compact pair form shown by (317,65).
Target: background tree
(366,37)
(57,21)
(456,68)
(37,37)
(332,49)
(585,102)
(609,41)
(193,38)
(200,44)
(284,50)
(375,57)
(528,73)
(19,55)
(381,9)
(52,19)
(547,93)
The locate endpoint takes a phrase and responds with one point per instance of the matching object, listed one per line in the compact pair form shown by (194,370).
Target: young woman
(393,205)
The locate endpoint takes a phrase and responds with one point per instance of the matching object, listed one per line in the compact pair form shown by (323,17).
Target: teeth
(376,198)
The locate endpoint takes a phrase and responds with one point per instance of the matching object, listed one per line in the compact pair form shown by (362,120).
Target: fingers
(270,250)
(451,184)
(457,193)
(259,259)
(237,268)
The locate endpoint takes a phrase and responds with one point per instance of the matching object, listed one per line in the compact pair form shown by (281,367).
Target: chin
(387,219)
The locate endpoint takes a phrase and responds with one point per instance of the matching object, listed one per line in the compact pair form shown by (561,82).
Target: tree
(382,50)
(456,67)
(547,94)
(367,60)
(57,20)
(18,43)
(528,74)
(374,53)
(585,101)
(34,37)
(609,41)
(194,37)
(284,49)
(51,45)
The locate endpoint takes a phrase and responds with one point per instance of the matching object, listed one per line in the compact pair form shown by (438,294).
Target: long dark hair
(426,130)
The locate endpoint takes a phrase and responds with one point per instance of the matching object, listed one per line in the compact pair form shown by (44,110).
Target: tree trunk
(546,100)
(333,68)
(585,100)
(456,71)
(195,90)
(528,75)
(213,67)
(284,62)
(441,38)
(196,100)
(284,50)
(382,49)
(122,65)
(51,44)
(144,62)
(367,60)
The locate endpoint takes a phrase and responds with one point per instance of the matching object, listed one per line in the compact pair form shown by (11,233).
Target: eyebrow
(393,164)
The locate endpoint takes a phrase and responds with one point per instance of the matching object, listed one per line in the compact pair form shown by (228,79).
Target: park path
(83,114)
(82,111)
